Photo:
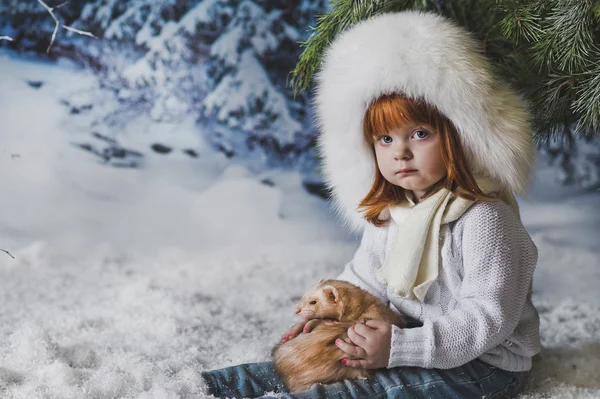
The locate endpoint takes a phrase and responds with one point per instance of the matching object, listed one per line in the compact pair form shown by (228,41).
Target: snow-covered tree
(174,64)
(245,98)
(226,62)
(137,20)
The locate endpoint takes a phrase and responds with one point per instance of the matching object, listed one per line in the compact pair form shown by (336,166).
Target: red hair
(391,111)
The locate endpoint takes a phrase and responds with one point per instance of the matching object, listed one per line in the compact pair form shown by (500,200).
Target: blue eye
(385,139)
(421,134)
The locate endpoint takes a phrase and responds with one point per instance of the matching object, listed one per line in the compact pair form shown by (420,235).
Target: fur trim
(421,55)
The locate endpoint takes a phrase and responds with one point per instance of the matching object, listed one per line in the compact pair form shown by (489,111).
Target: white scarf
(412,263)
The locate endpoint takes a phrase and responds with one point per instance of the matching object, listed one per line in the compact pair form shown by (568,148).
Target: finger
(362,330)
(356,338)
(376,324)
(356,363)
(310,325)
(350,349)
(292,332)
(297,329)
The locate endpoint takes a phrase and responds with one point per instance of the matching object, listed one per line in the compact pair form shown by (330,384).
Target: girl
(423,149)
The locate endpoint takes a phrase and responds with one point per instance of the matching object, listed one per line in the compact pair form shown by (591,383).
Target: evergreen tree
(548,49)
(244,97)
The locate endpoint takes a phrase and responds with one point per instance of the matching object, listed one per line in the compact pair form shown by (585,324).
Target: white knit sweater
(479,305)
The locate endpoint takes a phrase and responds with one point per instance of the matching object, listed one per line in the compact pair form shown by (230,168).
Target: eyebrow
(411,128)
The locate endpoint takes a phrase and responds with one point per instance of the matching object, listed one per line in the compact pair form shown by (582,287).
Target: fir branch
(568,40)
(520,21)
(587,103)
(552,111)
(596,10)
(344,14)
(547,49)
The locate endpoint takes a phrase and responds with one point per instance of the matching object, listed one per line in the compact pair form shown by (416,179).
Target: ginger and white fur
(313,357)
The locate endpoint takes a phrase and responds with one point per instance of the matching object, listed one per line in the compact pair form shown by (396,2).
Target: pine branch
(588,102)
(344,13)
(549,50)
(520,21)
(567,41)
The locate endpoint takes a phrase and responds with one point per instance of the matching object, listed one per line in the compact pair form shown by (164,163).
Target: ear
(331,293)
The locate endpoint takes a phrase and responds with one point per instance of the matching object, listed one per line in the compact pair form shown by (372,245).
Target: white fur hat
(421,55)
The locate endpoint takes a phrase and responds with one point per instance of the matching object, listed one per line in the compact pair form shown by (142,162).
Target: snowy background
(224,64)
(128,281)
(156,234)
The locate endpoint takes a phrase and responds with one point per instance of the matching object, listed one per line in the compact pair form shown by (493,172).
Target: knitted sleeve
(360,271)
(499,258)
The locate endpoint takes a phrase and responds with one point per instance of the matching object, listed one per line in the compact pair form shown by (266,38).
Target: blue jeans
(472,380)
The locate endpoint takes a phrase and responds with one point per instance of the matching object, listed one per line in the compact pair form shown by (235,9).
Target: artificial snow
(127,282)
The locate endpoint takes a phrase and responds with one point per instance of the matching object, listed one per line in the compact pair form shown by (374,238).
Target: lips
(403,171)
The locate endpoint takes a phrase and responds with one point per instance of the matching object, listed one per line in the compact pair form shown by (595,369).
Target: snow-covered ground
(127,282)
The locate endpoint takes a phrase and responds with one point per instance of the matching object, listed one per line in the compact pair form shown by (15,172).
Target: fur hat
(420,55)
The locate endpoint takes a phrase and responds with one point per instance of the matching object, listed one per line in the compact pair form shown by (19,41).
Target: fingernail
(343,361)
(291,336)
(283,339)
(337,341)
(305,330)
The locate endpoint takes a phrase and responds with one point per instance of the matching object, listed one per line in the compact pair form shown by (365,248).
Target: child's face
(415,148)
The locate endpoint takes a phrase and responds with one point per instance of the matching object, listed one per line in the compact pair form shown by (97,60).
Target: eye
(421,134)
(385,139)
(313,302)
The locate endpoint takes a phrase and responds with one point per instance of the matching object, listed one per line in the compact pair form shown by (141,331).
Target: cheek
(439,169)
(378,155)
(382,160)
(435,162)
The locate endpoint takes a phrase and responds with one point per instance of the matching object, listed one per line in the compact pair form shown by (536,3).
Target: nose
(402,151)
(298,310)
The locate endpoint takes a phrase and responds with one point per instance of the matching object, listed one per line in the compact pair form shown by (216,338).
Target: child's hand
(304,326)
(372,343)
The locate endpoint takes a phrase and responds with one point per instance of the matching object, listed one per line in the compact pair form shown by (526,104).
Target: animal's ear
(331,293)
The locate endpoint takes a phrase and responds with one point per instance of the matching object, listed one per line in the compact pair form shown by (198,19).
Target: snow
(102,15)
(250,24)
(127,282)
(205,12)
(141,20)
(251,27)
(157,66)
(247,98)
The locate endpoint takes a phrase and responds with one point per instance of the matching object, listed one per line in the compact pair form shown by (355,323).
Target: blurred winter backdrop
(160,195)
